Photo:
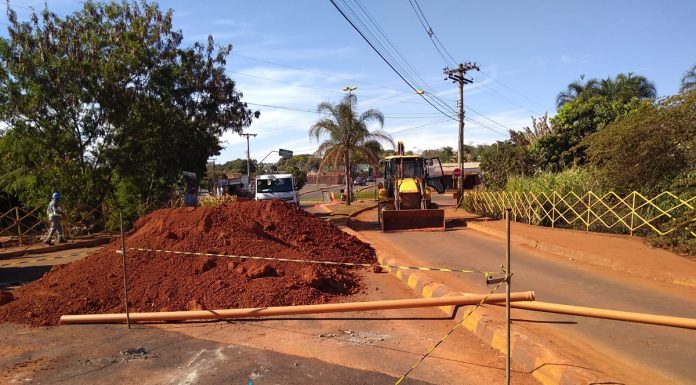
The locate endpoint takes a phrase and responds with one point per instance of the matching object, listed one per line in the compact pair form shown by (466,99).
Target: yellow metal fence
(634,213)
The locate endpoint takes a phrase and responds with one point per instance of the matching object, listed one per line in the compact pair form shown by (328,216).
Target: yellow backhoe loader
(405,192)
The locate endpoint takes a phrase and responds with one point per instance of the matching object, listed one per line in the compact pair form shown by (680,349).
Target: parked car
(359,181)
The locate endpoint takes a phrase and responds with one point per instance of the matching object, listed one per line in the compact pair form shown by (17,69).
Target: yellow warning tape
(447,270)
(448,334)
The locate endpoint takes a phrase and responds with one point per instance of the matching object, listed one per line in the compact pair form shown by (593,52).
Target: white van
(277,186)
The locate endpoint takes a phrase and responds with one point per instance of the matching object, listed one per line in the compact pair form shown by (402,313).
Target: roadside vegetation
(114,119)
(608,135)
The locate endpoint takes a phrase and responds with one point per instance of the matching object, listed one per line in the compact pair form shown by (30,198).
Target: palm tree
(574,90)
(688,82)
(627,86)
(347,136)
(623,88)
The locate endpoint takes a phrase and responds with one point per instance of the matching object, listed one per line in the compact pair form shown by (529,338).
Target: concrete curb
(582,256)
(97,241)
(548,367)
(362,210)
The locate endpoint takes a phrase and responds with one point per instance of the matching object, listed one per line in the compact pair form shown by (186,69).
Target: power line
(387,61)
(318,72)
(395,115)
(420,126)
(442,50)
(512,89)
(431,34)
(400,100)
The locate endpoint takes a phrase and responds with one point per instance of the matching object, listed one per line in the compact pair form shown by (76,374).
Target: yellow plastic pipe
(653,319)
(469,299)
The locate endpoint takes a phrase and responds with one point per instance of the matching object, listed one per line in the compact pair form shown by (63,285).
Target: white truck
(277,186)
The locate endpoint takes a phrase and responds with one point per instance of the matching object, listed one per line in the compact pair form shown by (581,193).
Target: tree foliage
(239,166)
(622,88)
(347,136)
(688,81)
(647,150)
(504,160)
(106,105)
(444,154)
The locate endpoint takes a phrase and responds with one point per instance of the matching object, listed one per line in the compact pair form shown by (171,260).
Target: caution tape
(460,323)
(348,264)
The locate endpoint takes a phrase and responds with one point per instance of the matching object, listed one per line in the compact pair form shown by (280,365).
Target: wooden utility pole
(457,76)
(248,156)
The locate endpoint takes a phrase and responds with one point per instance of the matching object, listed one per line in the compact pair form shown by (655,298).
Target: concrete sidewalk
(38,248)
(616,252)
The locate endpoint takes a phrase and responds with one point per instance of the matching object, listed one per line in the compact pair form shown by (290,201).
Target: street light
(350,88)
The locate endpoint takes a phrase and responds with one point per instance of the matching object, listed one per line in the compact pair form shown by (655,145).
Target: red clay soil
(166,282)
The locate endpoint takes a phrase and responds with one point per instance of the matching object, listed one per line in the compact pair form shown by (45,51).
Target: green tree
(304,162)
(648,149)
(347,134)
(105,105)
(623,88)
(574,90)
(444,154)
(688,82)
(586,109)
(239,166)
(504,160)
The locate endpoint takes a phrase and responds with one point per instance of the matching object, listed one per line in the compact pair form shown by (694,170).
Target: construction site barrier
(653,319)
(347,264)
(608,212)
(469,299)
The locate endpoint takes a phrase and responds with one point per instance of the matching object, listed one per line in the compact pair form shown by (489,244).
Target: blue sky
(299,53)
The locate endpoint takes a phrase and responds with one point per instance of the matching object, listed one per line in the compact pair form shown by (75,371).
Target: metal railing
(610,212)
(23,225)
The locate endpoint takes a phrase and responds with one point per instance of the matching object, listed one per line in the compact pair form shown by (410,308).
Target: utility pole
(457,76)
(248,156)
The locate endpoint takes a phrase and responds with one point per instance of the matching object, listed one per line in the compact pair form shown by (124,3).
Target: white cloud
(279,128)
(574,58)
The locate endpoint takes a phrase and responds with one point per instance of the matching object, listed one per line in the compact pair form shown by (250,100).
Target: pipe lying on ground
(470,299)
(653,319)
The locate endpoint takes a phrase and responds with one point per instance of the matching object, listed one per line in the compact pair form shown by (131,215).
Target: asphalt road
(111,354)
(668,351)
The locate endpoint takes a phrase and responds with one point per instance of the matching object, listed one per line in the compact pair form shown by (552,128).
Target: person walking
(54,213)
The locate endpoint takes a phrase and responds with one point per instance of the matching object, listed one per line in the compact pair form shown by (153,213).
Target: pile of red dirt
(170,282)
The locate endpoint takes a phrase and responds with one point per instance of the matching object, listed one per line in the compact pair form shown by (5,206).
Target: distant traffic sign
(285,153)
(457,172)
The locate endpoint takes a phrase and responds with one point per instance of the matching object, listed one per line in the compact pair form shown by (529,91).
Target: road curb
(582,256)
(546,366)
(362,210)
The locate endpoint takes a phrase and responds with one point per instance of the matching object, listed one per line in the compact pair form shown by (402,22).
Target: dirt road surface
(635,353)
(349,348)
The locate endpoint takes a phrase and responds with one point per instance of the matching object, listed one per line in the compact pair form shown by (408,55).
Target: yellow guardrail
(597,212)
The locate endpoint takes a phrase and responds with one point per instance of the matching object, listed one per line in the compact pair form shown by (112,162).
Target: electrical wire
(417,91)
(318,72)
(431,34)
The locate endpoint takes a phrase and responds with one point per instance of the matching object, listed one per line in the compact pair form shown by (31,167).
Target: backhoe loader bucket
(431,219)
